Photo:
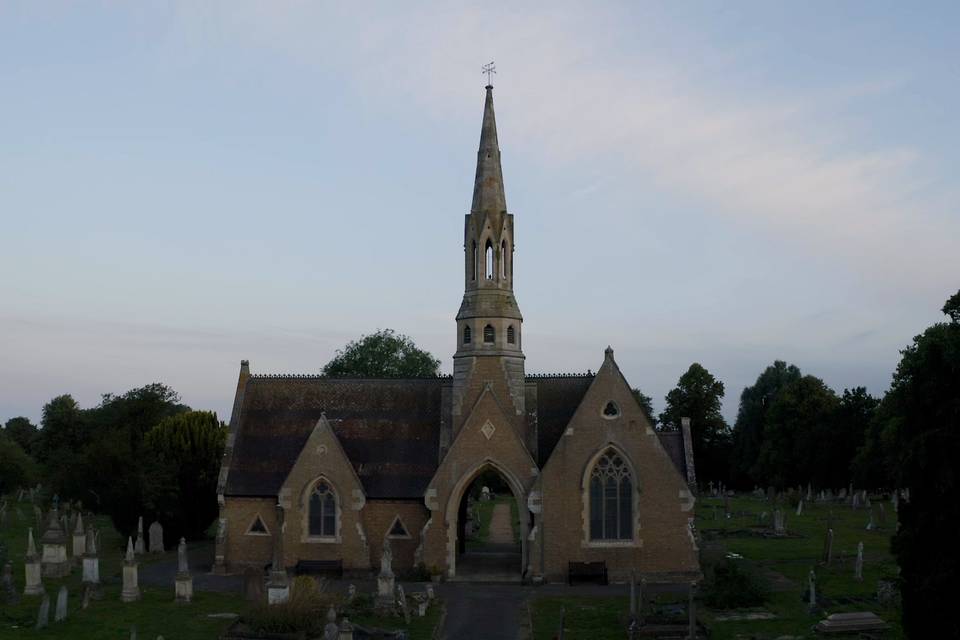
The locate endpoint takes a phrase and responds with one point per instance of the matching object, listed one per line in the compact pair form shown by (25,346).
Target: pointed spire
(488,192)
(130,559)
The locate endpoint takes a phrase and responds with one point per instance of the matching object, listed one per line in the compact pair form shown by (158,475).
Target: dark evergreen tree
(699,396)
(748,430)
(24,433)
(922,411)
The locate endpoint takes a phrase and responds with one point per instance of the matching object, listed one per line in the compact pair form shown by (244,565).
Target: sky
(187,184)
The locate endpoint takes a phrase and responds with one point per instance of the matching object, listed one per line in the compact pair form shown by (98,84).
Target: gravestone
(33,572)
(183,585)
(346,630)
(872,525)
(91,565)
(351,593)
(253,585)
(402,602)
(385,579)
(828,547)
(156,537)
(896,500)
(43,614)
(800,507)
(85,600)
(882,511)
(131,586)
(331,631)
(79,540)
(812,586)
(858,566)
(61,612)
(430,595)
(138,547)
(8,593)
(54,562)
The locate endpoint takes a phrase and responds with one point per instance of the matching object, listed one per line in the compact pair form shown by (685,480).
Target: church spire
(488,192)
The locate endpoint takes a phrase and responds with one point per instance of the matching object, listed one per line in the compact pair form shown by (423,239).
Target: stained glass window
(611,499)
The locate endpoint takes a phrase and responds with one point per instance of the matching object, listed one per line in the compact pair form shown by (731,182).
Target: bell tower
(489,324)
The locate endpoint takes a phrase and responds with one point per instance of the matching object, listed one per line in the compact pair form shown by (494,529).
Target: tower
(489,336)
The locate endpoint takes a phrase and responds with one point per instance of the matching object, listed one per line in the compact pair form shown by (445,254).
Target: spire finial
(490,68)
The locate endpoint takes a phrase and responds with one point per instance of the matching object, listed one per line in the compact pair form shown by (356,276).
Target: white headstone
(183,585)
(139,546)
(812,584)
(61,612)
(43,614)
(131,586)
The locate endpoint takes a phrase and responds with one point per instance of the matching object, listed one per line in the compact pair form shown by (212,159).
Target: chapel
(329,469)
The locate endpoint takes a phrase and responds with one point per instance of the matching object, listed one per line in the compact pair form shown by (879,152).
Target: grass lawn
(155,614)
(785,561)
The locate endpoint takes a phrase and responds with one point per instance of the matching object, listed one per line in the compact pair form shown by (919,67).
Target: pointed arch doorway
(488,526)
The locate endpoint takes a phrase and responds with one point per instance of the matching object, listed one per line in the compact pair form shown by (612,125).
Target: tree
(797,431)
(17,469)
(382,354)
(922,414)
(646,405)
(183,455)
(751,416)
(23,432)
(64,430)
(853,421)
(699,396)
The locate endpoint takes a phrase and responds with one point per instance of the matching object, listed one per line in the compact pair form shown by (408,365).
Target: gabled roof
(389,429)
(558,397)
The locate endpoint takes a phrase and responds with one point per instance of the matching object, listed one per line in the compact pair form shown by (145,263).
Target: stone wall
(663,504)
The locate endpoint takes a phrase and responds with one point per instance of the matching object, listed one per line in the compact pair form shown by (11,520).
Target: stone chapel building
(321,468)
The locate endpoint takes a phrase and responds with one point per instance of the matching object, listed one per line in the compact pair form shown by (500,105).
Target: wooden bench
(319,568)
(587,572)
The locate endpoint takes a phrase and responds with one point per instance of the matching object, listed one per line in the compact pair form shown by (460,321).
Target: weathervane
(489,69)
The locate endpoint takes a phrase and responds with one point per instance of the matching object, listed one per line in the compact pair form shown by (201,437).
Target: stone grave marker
(131,586)
(43,613)
(156,537)
(183,585)
(138,548)
(8,592)
(331,631)
(858,566)
(61,612)
(253,585)
(812,586)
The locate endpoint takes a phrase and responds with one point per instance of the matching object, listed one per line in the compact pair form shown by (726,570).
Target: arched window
(611,499)
(473,262)
(488,334)
(323,511)
(511,335)
(467,335)
(503,259)
(489,260)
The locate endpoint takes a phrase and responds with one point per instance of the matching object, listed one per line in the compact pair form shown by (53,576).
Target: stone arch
(637,484)
(452,509)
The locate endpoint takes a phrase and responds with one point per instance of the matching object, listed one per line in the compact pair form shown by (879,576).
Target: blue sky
(183,185)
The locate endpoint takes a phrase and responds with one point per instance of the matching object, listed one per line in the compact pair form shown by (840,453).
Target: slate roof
(389,428)
(672,442)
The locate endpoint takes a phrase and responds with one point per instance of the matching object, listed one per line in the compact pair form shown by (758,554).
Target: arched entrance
(488,524)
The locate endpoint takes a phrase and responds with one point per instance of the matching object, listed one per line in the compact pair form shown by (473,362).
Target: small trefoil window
(611,410)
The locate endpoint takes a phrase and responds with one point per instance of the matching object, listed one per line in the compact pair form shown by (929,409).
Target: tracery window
(611,499)
(323,511)
(488,334)
(467,335)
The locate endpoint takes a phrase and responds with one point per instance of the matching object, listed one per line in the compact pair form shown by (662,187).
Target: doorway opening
(490,529)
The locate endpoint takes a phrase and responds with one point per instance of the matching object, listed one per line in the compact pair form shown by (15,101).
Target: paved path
(501,530)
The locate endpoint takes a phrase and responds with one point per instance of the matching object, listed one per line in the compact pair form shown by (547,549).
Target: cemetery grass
(783,562)
(155,614)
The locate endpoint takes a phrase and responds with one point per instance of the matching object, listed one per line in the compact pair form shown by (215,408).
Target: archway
(488,525)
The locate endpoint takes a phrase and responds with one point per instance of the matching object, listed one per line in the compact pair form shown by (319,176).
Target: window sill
(320,540)
(611,544)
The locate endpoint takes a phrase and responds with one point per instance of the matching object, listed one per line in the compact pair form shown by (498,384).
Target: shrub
(733,584)
(305,611)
